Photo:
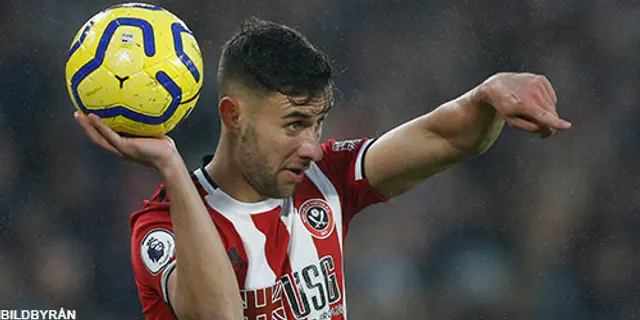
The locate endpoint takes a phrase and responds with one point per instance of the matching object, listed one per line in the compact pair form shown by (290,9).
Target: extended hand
(152,152)
(526,101)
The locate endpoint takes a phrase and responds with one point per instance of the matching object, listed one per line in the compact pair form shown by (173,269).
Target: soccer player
(258,231)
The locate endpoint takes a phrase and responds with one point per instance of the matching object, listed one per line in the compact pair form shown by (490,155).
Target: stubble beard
(254,167)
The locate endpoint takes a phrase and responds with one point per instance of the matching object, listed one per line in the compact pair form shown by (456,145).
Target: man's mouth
(295,174)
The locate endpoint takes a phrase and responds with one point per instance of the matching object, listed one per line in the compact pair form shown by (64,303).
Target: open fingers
(95,135)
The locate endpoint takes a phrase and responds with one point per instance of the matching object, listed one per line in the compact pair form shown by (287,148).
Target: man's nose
(310,148)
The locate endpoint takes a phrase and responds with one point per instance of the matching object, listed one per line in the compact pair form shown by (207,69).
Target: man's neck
(225,173)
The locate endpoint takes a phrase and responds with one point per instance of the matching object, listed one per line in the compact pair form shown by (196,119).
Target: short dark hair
(270,57)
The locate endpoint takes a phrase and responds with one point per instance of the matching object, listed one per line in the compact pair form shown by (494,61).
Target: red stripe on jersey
(277,238)
(233,245)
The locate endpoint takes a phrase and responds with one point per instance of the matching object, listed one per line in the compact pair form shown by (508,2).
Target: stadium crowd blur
(531,230)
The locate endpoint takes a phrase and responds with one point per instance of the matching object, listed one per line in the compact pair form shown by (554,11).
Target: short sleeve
(153,250)
(343,163)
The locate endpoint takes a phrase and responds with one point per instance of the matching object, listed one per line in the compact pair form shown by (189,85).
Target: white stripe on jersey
(330,193)
(358,166)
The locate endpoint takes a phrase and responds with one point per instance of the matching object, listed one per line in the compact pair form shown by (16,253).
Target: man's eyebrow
(300,114)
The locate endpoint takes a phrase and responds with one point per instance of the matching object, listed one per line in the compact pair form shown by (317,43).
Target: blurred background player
(273,203)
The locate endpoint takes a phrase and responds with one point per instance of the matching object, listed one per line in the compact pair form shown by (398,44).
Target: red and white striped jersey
(286,253)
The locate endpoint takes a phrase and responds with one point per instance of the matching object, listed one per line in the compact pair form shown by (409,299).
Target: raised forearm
(467,123)
(204,281)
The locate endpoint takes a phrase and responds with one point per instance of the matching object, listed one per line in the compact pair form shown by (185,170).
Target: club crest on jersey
(317,217)
(157,249)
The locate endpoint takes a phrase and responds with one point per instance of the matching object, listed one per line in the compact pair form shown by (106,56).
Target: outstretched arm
(461,129)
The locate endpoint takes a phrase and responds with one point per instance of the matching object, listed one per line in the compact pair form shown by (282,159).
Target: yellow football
(138,67)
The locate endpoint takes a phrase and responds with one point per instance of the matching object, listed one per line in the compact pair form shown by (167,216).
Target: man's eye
(294,126)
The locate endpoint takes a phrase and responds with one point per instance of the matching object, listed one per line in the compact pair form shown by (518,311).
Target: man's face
(279,143)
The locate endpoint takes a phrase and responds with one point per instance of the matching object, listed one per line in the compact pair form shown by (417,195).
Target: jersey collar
(222,202)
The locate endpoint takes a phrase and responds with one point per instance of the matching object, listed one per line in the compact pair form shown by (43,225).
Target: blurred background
(531,230)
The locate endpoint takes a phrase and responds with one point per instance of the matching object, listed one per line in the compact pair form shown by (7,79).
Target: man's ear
(230,112)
